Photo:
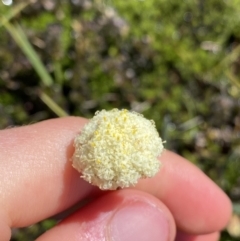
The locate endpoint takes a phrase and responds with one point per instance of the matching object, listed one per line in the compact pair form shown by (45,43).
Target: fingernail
(139,221)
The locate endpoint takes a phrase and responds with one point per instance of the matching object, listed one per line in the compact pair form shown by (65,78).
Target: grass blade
(22,41)
(52,105)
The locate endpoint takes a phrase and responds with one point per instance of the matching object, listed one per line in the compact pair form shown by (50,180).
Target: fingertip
(141,217)
(200,201)
(119,215)
(196,202)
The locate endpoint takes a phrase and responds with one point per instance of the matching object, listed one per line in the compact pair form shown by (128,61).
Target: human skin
(37,181)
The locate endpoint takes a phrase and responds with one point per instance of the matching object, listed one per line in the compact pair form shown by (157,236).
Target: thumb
(119,215)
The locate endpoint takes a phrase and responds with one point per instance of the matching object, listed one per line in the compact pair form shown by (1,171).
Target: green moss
(40,22)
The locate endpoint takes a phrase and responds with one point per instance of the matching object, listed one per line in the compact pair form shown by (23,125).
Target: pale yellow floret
(116,148)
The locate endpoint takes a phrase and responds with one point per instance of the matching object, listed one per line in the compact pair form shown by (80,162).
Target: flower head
(116,148)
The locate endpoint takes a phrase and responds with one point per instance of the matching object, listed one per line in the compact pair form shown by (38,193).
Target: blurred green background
(177,62)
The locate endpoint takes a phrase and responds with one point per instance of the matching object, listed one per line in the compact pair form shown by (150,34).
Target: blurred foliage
(177,62)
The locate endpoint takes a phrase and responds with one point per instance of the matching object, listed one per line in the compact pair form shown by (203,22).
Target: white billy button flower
(116,148)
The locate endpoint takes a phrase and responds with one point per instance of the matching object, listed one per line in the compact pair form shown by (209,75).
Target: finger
(196,202)
(187,237)
(122,215)
(38,180)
